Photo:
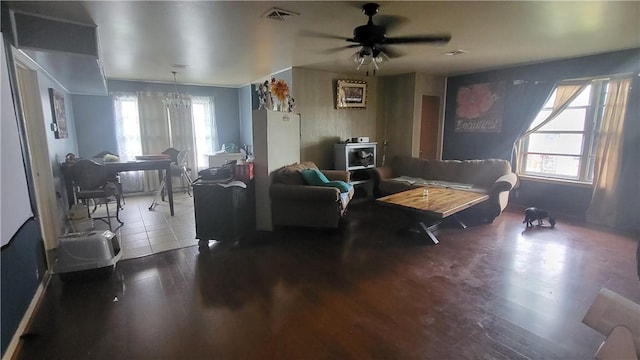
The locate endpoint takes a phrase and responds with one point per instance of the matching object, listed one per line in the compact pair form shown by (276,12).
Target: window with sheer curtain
(204,130)
(127,124)
(141,130)
(564,146)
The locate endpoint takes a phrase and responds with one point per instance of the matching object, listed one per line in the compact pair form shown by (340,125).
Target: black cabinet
(223,212)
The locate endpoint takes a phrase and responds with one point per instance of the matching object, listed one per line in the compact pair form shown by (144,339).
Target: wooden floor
(492,291)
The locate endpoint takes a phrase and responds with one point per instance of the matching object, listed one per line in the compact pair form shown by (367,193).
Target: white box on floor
(86,251)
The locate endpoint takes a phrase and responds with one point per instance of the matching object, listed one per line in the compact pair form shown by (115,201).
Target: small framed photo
(58,114)
(351,94)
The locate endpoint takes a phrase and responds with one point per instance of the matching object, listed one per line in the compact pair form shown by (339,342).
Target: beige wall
(392,113)
(400,108)
(396,112)
(321,124)
(427,85)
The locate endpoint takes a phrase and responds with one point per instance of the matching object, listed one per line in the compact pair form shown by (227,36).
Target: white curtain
(564,96)
(146,126)
(205,131)
(127,125)
(154,130)
(603,209)
(181,127)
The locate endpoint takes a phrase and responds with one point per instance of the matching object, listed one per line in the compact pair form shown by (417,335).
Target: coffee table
(429,211)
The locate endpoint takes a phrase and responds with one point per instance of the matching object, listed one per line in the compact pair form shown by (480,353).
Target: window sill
(555,181)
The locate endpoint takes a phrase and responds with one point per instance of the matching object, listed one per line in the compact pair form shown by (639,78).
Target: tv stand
(359,159)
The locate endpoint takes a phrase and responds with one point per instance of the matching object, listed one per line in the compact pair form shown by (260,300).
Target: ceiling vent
(456,52)
(279,14)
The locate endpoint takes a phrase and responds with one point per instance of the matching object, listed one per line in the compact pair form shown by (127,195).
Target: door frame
(38,149)
(417,124)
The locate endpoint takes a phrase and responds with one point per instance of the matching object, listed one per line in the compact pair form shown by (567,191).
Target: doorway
(429,127)
(36,136)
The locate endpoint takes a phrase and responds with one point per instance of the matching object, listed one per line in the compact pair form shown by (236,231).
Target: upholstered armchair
(295,203)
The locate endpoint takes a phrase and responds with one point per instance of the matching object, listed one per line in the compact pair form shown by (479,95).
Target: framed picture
(480,107)
(351,94)
(58,114)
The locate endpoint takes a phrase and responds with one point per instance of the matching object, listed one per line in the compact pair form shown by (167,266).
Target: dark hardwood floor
(492,291)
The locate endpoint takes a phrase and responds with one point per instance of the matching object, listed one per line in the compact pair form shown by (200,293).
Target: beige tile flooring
(147,232)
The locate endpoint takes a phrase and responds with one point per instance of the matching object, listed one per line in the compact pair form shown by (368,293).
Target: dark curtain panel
(524,102)
(628,209)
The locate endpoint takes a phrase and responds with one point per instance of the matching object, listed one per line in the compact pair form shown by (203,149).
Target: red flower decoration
(474,100)
(279,88)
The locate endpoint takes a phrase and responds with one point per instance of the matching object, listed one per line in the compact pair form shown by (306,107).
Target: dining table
(163,166)
(143,165)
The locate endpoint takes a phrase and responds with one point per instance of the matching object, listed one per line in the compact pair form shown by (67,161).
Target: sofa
(295,203)
(491,176)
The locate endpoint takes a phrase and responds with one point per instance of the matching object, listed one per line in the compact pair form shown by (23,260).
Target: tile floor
(147,232)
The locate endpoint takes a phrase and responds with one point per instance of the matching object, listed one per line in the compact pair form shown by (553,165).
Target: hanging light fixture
(176,100)
(368,56)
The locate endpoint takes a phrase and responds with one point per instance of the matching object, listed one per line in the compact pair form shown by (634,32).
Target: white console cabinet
(359,159)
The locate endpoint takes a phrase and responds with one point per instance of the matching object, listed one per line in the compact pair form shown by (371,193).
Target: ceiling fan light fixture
(364,57)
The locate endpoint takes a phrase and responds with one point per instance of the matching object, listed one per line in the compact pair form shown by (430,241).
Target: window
(127,127)
(204,130)
(127,124)
(564,147)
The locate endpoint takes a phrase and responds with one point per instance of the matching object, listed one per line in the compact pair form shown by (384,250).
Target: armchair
(294,203)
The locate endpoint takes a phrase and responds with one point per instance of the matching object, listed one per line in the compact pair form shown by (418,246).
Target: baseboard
(26,319)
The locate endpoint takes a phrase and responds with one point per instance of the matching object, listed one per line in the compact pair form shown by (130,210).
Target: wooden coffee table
(429,211)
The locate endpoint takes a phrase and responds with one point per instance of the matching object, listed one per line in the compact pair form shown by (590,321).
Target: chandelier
(176,100)
(368,56)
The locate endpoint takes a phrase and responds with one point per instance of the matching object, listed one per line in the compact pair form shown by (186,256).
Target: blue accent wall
(94,119)
(567,199)
(479,145)
(246,106)
(22,264)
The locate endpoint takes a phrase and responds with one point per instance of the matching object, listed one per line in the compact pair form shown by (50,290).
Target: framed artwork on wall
(58,114)
(351,94)
(480,107)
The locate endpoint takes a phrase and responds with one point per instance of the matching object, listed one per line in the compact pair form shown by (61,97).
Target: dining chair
(90,184)
(179,168)
(112,177)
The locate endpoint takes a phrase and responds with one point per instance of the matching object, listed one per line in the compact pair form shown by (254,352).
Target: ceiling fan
(374,42)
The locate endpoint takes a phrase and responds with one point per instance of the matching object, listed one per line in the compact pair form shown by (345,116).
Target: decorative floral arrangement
(280,89)
(474,100)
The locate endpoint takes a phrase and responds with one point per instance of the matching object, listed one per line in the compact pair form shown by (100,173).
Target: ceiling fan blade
(340,48)
(390,22)
(436,38)
(390,52)
(314,34)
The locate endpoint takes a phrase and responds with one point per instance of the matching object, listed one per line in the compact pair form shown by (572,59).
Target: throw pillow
(314,177)
(341,185)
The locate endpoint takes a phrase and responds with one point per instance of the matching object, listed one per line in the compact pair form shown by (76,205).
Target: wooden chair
(90,183)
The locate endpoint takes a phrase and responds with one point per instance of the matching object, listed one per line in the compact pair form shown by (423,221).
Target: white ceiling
(229,43)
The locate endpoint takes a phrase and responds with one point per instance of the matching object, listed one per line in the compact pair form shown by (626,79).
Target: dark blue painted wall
(569,200)
(479,145)
(22,264)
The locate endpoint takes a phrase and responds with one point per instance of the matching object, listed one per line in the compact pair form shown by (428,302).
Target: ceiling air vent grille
(279,14)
